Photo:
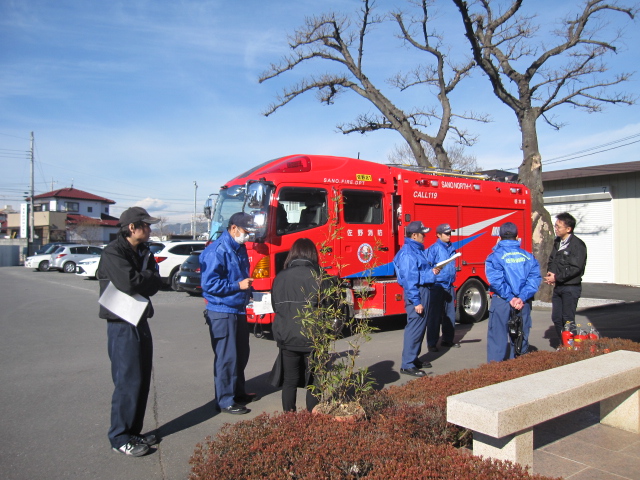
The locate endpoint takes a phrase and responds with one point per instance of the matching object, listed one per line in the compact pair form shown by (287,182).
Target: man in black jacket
(129,265)
(565,270)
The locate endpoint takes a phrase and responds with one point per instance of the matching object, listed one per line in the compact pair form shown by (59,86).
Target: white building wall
(625,193)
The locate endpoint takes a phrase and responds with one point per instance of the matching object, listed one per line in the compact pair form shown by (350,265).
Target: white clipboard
(127,307)
(450,259)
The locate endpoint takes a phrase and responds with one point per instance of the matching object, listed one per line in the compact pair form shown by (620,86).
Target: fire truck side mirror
(208,208)
(256,193)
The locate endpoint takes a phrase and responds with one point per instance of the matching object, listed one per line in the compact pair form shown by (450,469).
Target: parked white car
(170,255)
(65,258)
(88,267)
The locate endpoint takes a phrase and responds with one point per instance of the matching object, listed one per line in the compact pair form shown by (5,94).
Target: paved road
(55,383)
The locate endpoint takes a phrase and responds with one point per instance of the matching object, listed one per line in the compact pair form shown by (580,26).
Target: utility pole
(31,212)
(195,191)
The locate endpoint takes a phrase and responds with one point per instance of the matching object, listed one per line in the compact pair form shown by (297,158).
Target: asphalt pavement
(56,384)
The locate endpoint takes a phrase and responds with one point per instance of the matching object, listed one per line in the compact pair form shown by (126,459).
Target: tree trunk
(441,157)
(530,172)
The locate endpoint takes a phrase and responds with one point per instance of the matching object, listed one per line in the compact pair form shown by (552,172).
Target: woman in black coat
(295,288)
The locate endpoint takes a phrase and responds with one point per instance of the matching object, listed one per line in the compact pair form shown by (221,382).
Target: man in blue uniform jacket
(514,278)
(411,268)
(442,309)
(226,288)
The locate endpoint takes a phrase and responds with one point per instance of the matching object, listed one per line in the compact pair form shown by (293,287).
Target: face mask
(240,239)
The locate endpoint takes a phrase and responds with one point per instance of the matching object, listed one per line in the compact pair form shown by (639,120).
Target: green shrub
(406,434)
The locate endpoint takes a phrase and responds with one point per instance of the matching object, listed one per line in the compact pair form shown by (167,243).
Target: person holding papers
(440,281)
(226,287)
(128,265)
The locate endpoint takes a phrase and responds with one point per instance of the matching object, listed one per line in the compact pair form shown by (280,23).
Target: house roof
(104,221)
(595,171)
(73,193)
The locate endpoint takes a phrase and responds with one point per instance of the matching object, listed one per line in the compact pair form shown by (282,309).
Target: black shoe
(450,345)
(246,398)
(419,364)
(133,449)
(414,372)
(235,409)
(434,349)
(144,439)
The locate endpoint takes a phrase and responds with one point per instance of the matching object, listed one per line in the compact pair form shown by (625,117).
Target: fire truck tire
(472,301)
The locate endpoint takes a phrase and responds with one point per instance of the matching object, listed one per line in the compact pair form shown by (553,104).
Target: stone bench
(502,416)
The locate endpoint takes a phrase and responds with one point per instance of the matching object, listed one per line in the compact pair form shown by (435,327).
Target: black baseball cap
(242,220)
(136,214)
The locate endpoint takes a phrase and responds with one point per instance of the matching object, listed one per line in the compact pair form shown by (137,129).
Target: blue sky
(135,100)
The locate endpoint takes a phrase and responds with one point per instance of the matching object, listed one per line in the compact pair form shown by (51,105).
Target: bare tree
(402,155)
(570,73)
(160,229)
(335,38)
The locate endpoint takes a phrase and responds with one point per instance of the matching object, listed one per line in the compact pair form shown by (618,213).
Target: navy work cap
(242,220)
(508,229)
(416,227)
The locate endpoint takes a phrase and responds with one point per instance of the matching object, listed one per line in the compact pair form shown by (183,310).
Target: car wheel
(174,280)
(472,301)
(44,266)
(69,267)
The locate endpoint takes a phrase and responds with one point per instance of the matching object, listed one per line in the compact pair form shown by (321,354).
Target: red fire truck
(357,211)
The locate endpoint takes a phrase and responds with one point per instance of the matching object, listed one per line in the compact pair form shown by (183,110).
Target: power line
(575,155)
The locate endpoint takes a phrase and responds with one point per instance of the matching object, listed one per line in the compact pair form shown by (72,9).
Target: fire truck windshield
(229,201)
(234,199)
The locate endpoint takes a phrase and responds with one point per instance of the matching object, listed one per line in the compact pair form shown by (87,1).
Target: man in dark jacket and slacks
(566,266)
(129,265)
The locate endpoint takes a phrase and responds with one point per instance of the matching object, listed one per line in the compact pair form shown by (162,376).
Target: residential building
(66,214)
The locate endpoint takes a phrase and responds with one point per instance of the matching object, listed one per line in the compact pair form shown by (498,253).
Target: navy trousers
(499,344)
(414,331)
(563,307)
(230,343)
(442,311)
(131,354)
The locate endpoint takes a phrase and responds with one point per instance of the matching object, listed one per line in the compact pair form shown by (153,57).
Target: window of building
(89,209)
(71,207)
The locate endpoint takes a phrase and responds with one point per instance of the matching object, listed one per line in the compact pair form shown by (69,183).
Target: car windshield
(50,249)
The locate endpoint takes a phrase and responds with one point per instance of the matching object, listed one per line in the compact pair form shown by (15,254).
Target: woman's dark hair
(303,248)
(124,229)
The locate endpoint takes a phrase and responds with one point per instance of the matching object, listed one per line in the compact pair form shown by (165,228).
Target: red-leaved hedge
(405,435)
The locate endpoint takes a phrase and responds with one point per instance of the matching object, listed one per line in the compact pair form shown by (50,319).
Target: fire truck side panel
(375,202)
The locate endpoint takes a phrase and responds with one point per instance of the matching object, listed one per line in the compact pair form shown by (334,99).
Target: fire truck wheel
(472,301)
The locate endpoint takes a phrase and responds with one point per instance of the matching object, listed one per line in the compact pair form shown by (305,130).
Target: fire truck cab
(356,211)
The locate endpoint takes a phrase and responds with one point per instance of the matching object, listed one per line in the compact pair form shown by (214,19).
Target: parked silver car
(40,259)
(65,258)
